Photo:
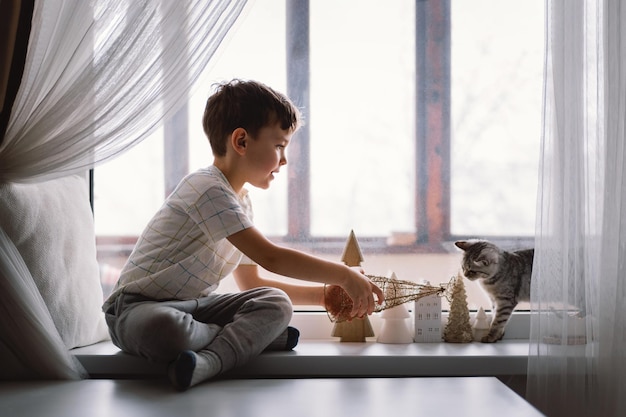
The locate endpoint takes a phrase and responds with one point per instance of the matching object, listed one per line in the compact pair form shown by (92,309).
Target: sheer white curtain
(577,361)
(96,80)
(95,83)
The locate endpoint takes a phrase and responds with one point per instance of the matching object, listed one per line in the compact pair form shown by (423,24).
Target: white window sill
(330,358)
(320,355)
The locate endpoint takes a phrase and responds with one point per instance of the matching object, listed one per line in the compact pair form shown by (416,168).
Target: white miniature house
(427,316)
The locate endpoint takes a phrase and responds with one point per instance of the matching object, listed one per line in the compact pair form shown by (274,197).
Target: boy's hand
(354,298)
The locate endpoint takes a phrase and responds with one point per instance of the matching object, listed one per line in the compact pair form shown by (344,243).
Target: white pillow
(51,224)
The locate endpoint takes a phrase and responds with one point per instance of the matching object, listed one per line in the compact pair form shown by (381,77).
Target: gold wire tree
(396,292)
(458,329)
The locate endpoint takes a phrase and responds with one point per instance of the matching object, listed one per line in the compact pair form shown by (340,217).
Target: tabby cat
(505,276)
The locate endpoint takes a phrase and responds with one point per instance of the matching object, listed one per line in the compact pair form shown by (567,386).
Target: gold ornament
(396,292)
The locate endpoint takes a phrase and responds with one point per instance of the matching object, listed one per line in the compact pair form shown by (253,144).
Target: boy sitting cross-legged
(164,306)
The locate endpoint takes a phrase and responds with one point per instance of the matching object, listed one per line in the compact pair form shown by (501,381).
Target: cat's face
(480,259)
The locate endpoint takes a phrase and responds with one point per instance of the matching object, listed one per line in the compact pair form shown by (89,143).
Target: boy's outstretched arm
(295,264)
(248,277)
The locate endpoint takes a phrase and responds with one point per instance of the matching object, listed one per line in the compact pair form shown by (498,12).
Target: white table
(323,397)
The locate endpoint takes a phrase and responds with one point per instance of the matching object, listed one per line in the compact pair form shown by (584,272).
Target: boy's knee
(165,334)
(281,301)
(286,306)
(274,303)
(279,297)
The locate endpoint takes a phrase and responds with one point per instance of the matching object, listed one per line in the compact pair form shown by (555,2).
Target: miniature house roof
(352,255)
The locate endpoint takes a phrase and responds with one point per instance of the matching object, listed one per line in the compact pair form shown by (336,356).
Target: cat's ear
(462,244)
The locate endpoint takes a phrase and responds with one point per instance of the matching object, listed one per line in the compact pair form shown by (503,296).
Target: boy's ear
(239,140)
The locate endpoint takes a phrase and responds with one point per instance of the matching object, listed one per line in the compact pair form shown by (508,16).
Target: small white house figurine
(394,328)
(428,319)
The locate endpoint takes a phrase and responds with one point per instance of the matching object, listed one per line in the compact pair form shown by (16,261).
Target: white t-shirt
(183,252)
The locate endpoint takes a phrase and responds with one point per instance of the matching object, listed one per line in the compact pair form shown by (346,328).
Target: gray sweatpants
(246,323)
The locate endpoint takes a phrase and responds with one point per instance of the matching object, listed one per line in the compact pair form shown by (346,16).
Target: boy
(163,306)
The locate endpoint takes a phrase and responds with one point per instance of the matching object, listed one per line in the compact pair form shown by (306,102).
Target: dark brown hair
(250,105)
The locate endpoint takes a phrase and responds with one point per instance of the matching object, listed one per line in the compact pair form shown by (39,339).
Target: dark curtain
(15,24)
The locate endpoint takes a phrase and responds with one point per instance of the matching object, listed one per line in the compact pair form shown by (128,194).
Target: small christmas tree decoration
(355,329)
(427,318)
(352,255)
(480,328)
(394,328)
(458,329)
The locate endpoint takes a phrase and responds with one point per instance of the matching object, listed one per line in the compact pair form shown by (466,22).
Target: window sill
(319,355)
(331,358)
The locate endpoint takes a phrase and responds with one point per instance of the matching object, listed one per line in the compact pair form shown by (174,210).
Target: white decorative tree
(394,328)
(481,325)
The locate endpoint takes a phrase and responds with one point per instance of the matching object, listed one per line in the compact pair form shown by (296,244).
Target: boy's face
(265,154)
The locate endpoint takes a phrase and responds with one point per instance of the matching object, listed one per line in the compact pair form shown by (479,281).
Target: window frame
(433,144)
(433,140)
(432,194)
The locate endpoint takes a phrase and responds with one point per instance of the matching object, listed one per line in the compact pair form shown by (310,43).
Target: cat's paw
(492,338)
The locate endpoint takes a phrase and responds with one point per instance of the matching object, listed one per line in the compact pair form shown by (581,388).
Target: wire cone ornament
(396,292)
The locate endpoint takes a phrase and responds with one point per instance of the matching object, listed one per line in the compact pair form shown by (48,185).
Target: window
(422,126)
